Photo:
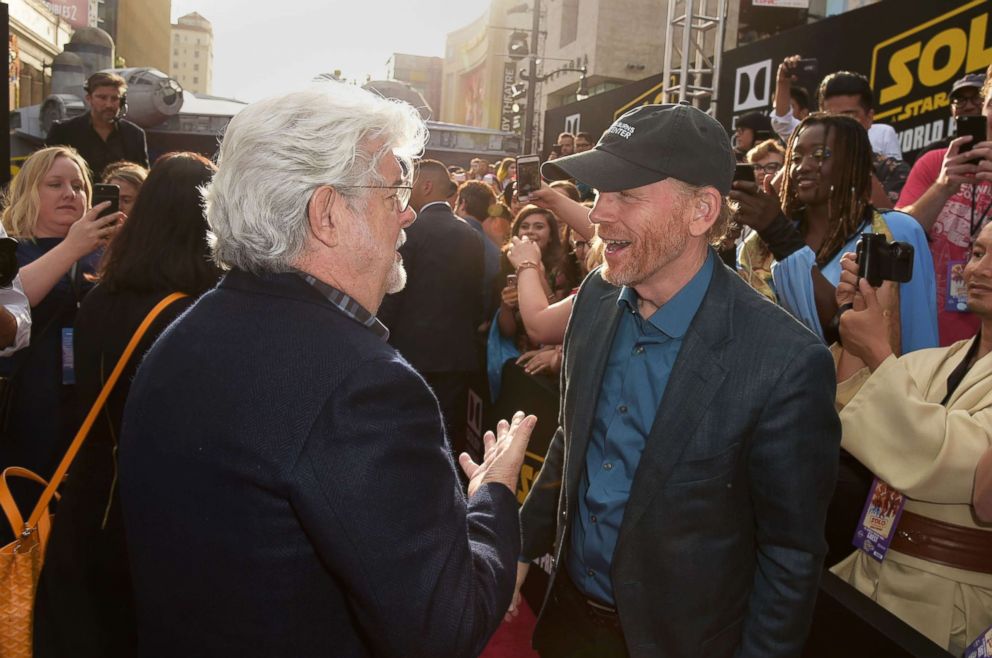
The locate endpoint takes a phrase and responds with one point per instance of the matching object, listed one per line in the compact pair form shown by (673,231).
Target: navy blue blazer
(722,539)
(288,491)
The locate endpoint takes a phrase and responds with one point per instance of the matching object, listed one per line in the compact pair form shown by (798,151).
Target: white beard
(396,279)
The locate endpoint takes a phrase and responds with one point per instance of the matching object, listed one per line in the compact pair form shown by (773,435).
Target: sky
(262,49)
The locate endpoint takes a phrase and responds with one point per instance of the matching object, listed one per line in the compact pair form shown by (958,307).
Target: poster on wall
(473,95)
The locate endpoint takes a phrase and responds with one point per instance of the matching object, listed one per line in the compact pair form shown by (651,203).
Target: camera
(8,261)
(880,260)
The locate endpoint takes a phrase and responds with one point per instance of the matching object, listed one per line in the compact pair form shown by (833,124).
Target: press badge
(957,292)
(982,647)
(68,365)
(879,520)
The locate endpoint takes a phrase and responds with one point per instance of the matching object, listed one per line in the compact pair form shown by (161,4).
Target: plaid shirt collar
(347,305)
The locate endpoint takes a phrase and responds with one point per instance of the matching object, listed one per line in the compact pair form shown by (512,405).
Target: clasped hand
(522,250)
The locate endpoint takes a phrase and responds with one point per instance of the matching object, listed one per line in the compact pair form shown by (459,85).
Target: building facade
(478,71)
(37,35)
(139,28)
(425,74)
(193,53)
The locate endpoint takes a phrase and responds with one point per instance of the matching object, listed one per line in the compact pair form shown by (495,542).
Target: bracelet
(525,264)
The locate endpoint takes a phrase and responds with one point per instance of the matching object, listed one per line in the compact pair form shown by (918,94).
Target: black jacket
(434,320)
(287,491)
(127,143)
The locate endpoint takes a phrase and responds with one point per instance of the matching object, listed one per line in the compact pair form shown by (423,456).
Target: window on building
(196,80)
(175,52)
(196,67)
(196,53)
(569,22)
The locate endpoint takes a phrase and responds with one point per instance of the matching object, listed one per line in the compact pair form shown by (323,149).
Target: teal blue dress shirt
(640,362)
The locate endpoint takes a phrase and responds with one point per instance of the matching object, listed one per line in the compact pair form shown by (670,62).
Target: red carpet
(512,639)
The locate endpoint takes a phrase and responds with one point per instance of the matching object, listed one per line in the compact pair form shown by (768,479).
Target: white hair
(277,152)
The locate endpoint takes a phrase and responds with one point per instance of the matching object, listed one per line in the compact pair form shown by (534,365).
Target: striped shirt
(347,305)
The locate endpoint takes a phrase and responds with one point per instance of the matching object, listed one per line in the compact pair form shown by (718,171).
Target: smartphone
(511,280)
(111,193)
(806,66)
(977,127)
(528,176)
(744,171)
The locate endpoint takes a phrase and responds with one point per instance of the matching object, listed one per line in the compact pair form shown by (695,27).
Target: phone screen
(744,171)
(977,127)
(111,193)
(528,176)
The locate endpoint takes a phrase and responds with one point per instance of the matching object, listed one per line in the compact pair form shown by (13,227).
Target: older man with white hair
(286,482)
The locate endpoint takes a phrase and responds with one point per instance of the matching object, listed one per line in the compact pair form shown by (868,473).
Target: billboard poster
(473,85)
(74,12)
(911,53)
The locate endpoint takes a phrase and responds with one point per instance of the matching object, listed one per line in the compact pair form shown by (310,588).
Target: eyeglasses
(769,168)
(975,100)
(401,198)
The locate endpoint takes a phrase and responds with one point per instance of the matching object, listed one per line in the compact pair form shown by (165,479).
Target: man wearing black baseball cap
(698,444)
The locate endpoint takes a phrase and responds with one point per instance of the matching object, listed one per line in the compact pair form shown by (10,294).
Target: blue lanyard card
(68,361)
(957,292)
(982,647)
(879,520)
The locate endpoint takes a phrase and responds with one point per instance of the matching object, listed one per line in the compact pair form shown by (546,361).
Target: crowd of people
(275,474)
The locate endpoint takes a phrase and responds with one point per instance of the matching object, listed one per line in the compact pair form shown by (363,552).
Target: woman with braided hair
(793,257)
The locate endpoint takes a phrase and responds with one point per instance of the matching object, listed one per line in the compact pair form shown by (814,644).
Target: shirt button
(622,408)
(639,349)
(608,466)
(593,518)
(590,573)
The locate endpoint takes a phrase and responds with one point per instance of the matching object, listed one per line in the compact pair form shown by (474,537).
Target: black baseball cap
(651,143)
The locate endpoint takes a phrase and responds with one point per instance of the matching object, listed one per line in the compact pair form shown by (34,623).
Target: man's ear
(704,210)
(324,215)
(426,187)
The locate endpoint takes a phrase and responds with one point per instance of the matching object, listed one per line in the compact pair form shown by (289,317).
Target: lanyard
(976,227)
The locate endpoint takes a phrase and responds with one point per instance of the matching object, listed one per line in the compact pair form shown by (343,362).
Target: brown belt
(944,543)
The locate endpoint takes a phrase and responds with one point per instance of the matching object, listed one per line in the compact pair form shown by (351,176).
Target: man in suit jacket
(285,481)
(102,135)
(434,320)
(683,498)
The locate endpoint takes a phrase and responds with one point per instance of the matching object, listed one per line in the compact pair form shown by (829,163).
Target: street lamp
(529,75)
(518,49)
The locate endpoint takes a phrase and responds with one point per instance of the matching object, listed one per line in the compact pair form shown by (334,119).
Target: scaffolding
(693,49)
